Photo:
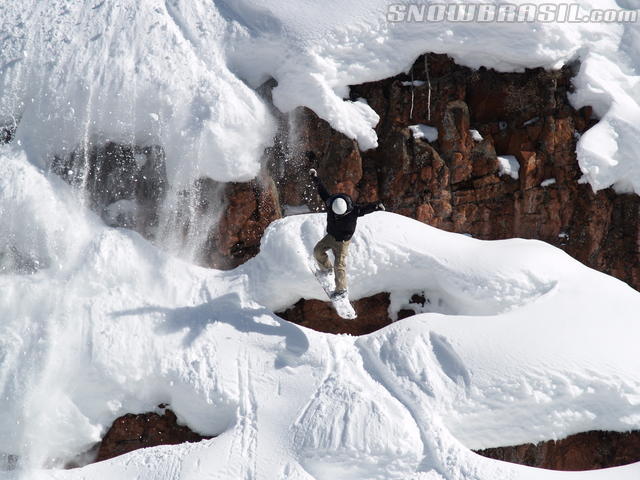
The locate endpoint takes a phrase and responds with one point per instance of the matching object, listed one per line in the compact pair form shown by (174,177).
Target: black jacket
(341,227)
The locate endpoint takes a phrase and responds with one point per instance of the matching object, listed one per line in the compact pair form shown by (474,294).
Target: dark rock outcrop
(582,451)
(249,208)
(414,306)
(131,432)
(125,184)
(373,314)
(6,133)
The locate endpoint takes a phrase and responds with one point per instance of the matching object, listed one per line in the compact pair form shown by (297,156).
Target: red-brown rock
(131,432)
(373,314)
(249,208)
(583,451)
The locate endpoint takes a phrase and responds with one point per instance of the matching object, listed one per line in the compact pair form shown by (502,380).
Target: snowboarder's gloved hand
(380,206)
(313,172)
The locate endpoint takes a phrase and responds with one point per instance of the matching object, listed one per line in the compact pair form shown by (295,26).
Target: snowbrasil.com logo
(506,13)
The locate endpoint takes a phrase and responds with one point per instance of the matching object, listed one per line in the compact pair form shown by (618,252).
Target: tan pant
(340,250)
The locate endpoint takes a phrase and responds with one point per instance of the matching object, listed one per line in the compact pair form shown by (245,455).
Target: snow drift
(114,325)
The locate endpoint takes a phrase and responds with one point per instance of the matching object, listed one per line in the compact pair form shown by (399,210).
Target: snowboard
(341,304)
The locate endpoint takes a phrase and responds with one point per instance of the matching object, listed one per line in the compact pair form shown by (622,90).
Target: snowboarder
(342,216)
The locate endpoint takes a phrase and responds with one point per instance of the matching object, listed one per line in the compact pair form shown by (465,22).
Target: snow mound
(396,259)
(509,165)
(183,74)
(113,326)
(430,134)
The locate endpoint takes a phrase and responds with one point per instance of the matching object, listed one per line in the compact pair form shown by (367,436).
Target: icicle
(426,68)
(412,95)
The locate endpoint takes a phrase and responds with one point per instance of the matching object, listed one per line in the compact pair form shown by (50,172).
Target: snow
(415,83)
(427,132)
(508,165)
(517,351)
(182,74)
(475,134)
(122,213)
(517,343)
(548,182)
(295,209)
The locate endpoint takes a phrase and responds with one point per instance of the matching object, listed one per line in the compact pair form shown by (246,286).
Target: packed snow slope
(182,73)
(523,344)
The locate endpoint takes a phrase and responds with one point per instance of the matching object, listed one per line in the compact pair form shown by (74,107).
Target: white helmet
(339,206)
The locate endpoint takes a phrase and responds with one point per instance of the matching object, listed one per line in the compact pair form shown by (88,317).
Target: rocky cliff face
(583,451)
(457,182)
(125,184)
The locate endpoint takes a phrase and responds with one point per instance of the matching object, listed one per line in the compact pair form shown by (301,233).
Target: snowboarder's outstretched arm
(365,208)
(322,191)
